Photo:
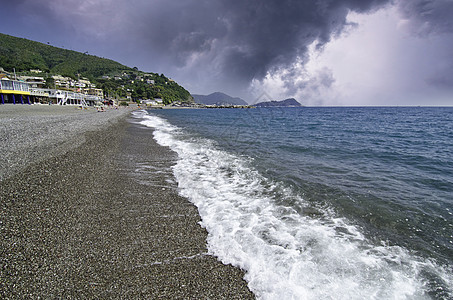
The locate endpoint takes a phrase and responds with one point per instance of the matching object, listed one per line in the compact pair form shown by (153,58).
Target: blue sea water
(321,203)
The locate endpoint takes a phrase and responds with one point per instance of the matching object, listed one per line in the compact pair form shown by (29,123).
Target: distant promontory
(218,99)
(291,102)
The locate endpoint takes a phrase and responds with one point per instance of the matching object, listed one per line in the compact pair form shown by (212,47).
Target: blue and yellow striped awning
(14,92)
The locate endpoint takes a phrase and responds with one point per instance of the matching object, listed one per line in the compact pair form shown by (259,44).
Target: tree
(50,83)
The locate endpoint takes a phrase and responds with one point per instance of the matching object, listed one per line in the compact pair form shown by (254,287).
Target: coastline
(103,219)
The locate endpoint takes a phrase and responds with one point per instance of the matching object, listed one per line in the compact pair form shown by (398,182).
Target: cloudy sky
(322,52)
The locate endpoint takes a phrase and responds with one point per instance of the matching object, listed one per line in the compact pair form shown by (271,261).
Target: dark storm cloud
(428,16)
(433,19)
(241,39)
(62,24)
(244,39)
(27,19)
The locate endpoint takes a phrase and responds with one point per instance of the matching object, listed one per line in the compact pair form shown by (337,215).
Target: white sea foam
(286,255)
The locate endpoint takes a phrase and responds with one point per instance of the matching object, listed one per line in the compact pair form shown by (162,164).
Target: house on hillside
(155,102)
(62,81)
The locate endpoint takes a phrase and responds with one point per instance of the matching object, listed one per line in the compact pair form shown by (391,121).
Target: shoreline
(103,219)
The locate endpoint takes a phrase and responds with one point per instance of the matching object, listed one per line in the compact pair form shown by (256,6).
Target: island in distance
(291,102)
(218,99)
(221,99)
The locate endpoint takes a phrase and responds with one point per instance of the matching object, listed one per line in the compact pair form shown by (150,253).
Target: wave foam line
(285,254)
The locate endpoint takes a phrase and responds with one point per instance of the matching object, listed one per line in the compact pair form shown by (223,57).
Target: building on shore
(63,97)
(20,92)
(33,81)
(14,91)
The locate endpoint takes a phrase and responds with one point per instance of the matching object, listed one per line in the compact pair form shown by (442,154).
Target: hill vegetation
(114,78)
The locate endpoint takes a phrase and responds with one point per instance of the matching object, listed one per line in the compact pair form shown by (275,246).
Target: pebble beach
(90,209)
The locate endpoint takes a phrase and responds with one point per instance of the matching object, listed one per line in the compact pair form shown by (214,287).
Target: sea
(321,202)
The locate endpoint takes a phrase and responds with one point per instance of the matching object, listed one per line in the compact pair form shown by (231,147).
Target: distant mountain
(218,99)
(284,103)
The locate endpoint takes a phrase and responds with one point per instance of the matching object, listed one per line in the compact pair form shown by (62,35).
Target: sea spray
(286,251)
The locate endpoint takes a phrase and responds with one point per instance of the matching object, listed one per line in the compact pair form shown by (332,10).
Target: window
(7,85)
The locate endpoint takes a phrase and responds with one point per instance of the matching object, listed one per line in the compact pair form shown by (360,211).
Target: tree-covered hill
(23,55)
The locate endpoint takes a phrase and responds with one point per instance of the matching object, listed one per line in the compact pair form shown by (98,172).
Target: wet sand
(103,219)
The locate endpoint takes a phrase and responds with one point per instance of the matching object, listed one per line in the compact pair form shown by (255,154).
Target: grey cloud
(312,91)
(273,34)
(443,78)
(428,16)
(247,38)
(217,43)
(433,20)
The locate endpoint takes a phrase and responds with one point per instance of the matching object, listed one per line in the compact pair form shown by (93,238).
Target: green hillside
(23,55)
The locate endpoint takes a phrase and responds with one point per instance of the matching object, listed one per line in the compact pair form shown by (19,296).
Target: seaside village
(32,89)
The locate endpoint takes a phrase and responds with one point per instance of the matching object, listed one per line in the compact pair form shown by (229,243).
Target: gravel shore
(31,133)
(100,217)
